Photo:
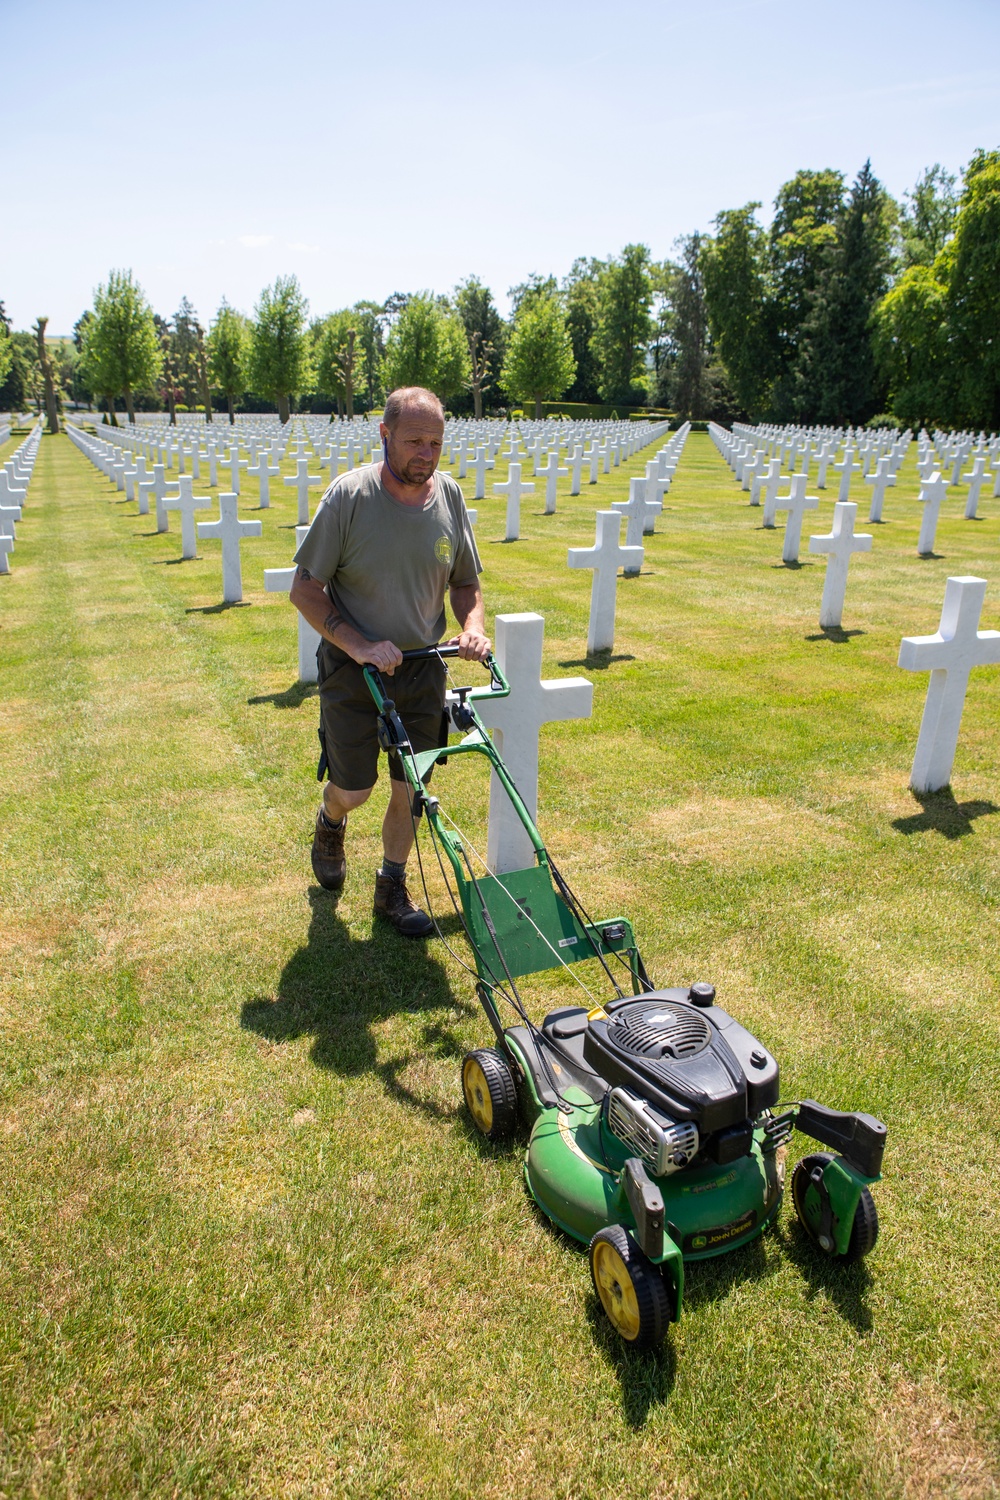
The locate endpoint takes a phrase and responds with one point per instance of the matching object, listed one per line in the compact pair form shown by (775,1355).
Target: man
(386,544)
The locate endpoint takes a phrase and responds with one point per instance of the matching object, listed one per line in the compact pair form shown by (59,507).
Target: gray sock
(329,821)
(390,867)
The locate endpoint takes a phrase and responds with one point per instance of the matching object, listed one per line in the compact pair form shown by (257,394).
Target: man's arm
(470,612)
(311,600)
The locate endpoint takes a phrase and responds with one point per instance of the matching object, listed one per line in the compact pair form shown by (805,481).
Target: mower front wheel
(809,1208)
(490,1092)
(630,1288)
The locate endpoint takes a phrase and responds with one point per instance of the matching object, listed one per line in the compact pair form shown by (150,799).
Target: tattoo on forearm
(333,619)
(305,575)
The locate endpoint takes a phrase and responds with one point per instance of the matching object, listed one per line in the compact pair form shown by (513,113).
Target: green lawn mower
(656,1136)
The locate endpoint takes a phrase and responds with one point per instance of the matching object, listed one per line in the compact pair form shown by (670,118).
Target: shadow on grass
(218,609)
(337,989)
(599,661)
(793,567)
(844,1285)
(835,634)
(292,697)
(942,814)
(646,1377)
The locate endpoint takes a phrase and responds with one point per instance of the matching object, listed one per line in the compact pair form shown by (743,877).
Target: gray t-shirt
(387,565)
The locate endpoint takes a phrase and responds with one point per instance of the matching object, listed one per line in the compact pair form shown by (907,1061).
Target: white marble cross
(230,529)
(6,547)
(879,480)
(976,479)
(303,482)
(933,491)
(516,721)
(838,544)
(514,487)
(10,495)
(234,463)
(481,463)
(770,492)
(187,503)
(606,556)
(158,487)
(278,581)
(796,502)
(846,468)
(551,474)
(636,508)
(575,461)
(949,656)
(262,472)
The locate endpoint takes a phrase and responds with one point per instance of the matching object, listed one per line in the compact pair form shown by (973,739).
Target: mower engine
(688,1081)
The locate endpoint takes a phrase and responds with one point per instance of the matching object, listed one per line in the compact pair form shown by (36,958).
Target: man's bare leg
(397,825)
(329,861)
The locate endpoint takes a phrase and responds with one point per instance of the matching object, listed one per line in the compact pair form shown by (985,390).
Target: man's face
(414,445)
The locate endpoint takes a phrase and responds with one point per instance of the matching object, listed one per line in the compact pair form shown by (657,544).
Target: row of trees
(846,306)
(850,304)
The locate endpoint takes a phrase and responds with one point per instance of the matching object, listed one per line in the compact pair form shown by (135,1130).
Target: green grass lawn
(251,1243)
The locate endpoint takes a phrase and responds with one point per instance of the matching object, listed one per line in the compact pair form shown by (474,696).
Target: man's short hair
(407,396)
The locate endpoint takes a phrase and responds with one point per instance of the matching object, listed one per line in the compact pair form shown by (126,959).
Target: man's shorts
(349,722)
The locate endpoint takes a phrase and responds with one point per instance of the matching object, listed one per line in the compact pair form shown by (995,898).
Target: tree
(339,360)
(184,348)
(279,355)
(539,364)
(969,266)
(121,348)
(48,376)
(691,333)
(911,347)
(927,220)
(580,299)
(369,319)
(485,333)
(624,328)
(837,370)
(6,346)
(228,354)
(535,286)
(802,240)
(202,363)
(740,306)
(427,346)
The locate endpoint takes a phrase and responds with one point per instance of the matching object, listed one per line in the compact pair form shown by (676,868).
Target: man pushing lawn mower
(386,544)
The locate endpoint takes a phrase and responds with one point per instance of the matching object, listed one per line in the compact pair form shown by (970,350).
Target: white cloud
(255,241)
(298,245)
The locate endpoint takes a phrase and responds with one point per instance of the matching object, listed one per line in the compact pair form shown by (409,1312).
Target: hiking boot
(393,900)
(328,860)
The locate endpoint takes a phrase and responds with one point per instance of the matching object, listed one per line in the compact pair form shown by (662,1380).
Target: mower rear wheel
(864,1230)
(630,1288)
(490,1092)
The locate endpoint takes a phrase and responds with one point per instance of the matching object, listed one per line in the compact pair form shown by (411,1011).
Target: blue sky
(210,148)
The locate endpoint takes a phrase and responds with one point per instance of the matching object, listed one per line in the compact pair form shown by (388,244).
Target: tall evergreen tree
(802,239)
(691,388)
(837,375)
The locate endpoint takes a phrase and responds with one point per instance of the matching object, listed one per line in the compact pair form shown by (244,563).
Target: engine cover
(693,1062)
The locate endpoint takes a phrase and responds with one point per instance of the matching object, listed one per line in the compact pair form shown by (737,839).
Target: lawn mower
(656,1134)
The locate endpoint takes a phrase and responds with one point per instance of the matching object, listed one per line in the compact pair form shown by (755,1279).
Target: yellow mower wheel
(490,1092)
(630,1288)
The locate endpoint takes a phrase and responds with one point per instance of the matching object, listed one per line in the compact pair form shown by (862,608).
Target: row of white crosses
(608,554)
(228,529)
(15,477)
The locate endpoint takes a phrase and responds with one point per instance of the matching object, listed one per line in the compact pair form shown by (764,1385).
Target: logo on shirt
(442,550)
